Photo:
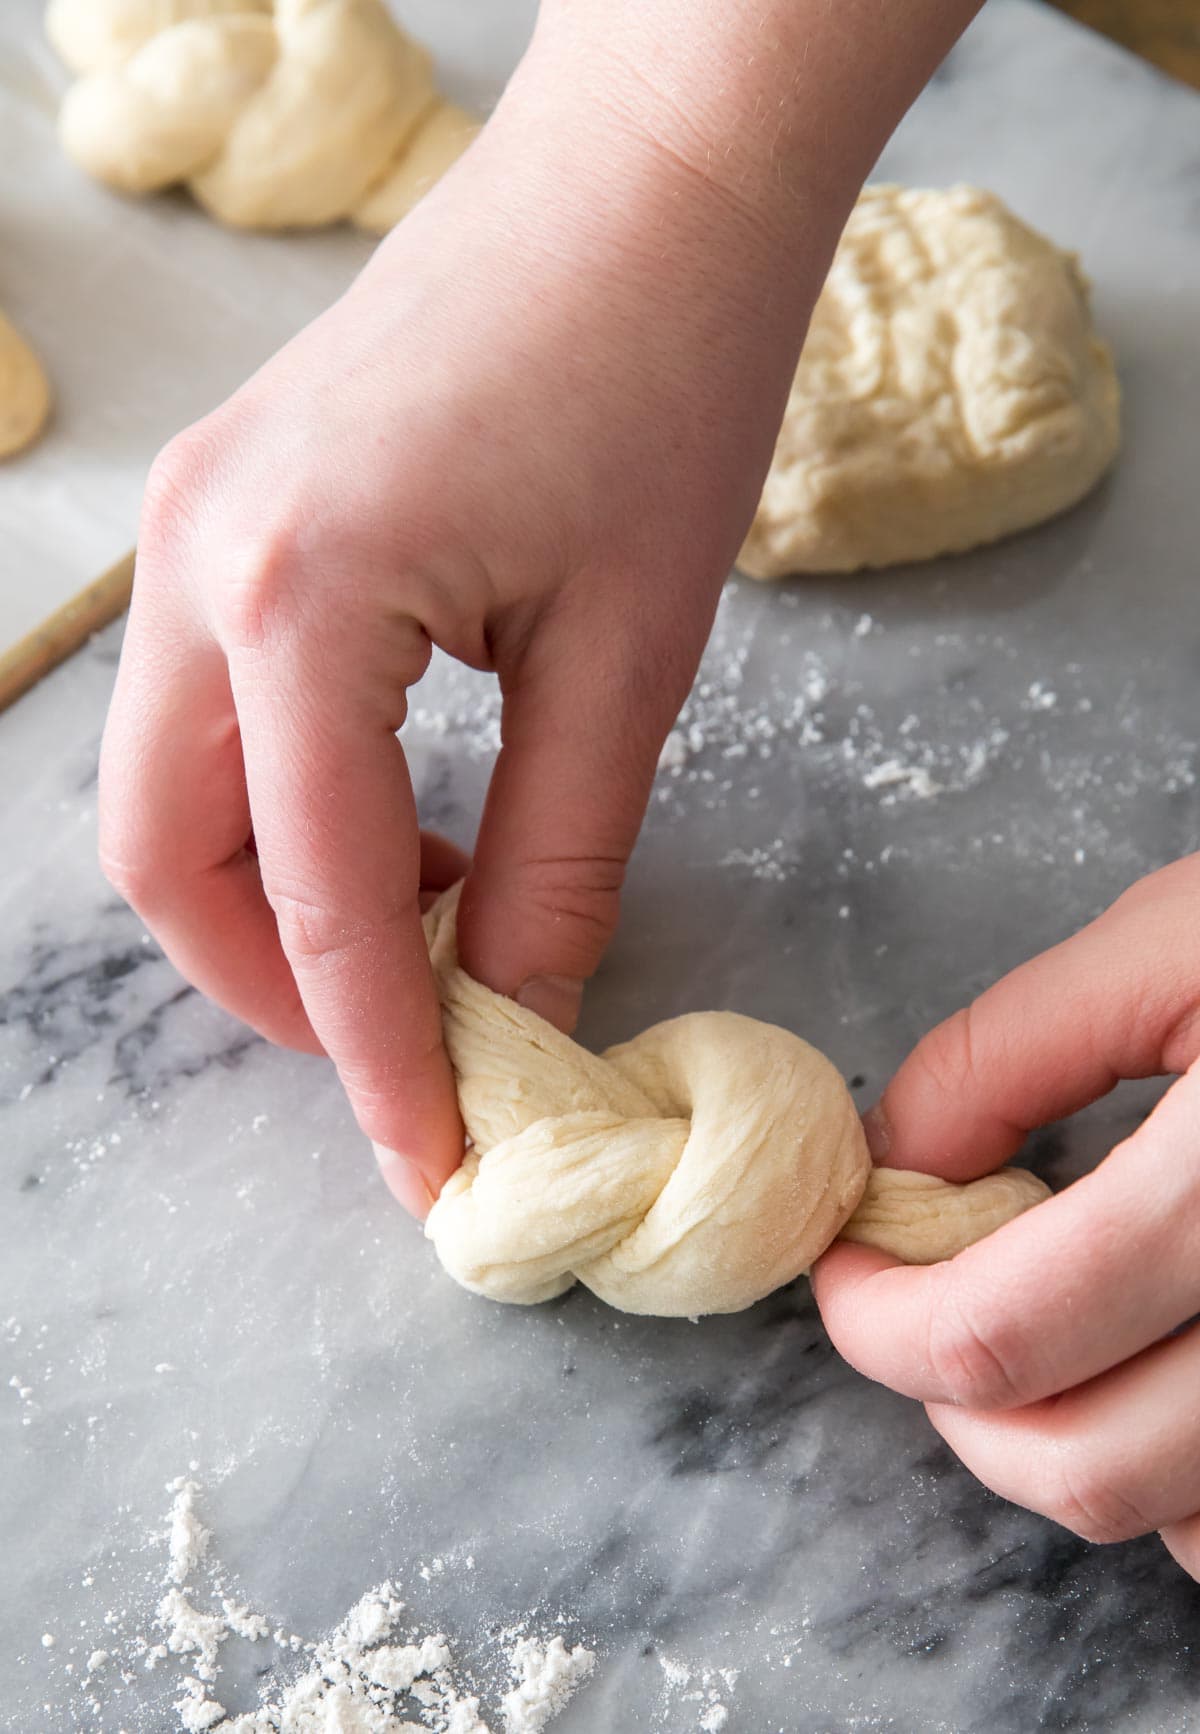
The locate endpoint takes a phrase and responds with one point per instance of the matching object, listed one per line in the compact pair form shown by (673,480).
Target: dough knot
(692,1170)
(289,115)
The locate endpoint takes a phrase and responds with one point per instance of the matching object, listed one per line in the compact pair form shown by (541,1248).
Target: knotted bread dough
(290,115)
(692,1170)
(951,390)
(24,391)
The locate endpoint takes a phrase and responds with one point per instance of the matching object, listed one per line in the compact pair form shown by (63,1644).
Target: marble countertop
(933,774)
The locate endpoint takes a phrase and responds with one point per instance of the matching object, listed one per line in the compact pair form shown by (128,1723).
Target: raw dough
(291,116)
(922,1219)
(24,392)
(91,35)
(951,391)
(438,143)
(691,1170)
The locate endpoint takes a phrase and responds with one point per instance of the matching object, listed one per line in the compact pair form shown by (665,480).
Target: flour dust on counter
(376,1672)
(791,694)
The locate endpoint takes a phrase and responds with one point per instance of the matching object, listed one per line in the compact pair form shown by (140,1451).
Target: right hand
(532,433)
(1059,1357)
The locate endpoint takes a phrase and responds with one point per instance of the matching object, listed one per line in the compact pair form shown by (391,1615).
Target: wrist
(710,91)
(782,105)
(687,194)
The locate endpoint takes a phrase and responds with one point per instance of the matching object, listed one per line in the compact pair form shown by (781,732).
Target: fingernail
(879,1132)
(553,997)
(405,1182)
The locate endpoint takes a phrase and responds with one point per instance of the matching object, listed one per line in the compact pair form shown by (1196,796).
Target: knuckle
(584,888)
(578,898)
(1083,1497)
(311,933)
(178,477)
(1181,1049)
(377,1084)
(130,864)
(975,1353)
(373,1096)
(187,507)
(132,879)
(258,592)
(946,1056)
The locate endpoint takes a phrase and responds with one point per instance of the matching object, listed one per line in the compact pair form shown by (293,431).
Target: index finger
(335,827)
(1119,999)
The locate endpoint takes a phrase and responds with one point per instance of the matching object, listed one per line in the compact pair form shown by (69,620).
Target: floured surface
(885,794)
(374,1673)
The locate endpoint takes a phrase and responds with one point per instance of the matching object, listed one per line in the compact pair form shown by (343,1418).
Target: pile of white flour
(373,1674)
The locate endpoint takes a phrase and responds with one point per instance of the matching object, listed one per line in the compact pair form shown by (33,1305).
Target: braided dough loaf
(24,392)
(692,1170)
(290,115)
(951,391)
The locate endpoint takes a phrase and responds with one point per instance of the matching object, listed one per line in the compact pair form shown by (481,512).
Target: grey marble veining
(198,1264)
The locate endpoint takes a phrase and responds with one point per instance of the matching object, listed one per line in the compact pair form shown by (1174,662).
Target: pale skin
(533,433)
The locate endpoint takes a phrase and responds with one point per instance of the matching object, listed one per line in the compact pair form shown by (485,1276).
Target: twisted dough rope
(24,391)
(692,1170)
(290,115)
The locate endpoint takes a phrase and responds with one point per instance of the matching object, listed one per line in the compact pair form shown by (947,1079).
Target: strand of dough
(286,115)
(692,1170)
(24,392)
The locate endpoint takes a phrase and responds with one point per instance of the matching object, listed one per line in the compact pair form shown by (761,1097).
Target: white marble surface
(198,1265)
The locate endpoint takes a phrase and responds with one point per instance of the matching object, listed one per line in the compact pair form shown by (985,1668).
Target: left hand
(1045,1355)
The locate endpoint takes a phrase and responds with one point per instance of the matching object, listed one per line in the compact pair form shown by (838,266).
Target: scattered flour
(675,753)
(819,727)
(705,1688)
(547,1677)
(196,1710)
(187,1538)
(775,861)
(374,1673)
(188,1631)
(914,778)
(242,1623)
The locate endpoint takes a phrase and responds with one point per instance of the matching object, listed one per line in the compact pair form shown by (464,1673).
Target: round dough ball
(951,391)
(24,392)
